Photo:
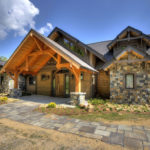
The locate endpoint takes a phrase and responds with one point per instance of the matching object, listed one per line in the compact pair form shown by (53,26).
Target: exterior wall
(103,84)
(30,88)
(43,87)
(4,85)
(86,85)
(141,92)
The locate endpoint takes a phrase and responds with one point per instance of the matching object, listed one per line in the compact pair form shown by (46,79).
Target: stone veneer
(141,93)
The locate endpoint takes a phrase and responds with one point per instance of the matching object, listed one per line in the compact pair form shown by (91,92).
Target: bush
(97,101)
(3,99)
(51,105)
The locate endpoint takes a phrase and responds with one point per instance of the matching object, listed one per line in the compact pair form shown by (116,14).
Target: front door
(60,85)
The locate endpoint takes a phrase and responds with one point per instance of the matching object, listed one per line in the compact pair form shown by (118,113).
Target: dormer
(78,48)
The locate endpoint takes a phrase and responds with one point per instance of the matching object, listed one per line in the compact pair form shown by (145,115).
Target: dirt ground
(18,136)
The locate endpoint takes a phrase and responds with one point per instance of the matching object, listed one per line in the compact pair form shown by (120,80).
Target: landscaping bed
(101,109)
(5,100)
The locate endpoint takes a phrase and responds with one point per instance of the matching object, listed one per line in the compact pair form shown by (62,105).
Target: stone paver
(132,137)
(117,138)
(87,129)
(103,133)
(133,144)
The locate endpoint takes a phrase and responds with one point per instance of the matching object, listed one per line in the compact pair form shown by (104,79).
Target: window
(31,80)
(73,47)
(66,43)
(129,81)
(44,77)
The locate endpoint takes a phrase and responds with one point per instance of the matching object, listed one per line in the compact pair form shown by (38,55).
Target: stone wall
(140,93)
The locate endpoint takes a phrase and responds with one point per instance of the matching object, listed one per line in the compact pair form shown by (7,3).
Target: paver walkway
(133,137)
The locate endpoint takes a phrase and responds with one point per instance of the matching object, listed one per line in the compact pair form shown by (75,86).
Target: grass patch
(111,116)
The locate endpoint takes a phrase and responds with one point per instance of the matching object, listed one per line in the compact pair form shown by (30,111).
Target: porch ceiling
(35,51)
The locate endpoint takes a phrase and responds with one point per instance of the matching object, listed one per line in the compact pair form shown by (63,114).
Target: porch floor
(41,99)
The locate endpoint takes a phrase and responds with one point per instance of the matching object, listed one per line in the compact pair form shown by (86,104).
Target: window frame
(45,77)
(126,81)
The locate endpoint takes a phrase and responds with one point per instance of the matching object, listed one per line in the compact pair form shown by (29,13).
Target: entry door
(60,85)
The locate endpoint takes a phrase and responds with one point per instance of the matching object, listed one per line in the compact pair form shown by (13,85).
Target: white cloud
(16,15)
(47,28)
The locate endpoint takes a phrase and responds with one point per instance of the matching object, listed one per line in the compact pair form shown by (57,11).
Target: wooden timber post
(77,82)
(16,75)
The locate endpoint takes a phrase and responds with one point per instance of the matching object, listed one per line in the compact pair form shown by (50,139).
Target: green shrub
(3,99)
(104,109)
(97,101)
(51,105)
(110,109)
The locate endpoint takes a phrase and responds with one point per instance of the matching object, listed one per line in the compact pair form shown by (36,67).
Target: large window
(73,47)
(129,81)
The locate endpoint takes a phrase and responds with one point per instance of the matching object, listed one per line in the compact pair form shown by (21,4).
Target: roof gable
(129,33)
(26,48)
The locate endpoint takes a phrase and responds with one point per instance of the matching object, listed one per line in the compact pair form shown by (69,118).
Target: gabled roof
(125,31)
(135,51)
(101,47)
(58,30)
(25,48)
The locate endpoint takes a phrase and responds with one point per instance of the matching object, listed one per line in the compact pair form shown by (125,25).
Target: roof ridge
(99,42)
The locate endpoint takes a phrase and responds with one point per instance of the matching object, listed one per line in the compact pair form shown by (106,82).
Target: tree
(2,58)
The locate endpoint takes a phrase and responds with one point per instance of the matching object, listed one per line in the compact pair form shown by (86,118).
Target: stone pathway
(132,137)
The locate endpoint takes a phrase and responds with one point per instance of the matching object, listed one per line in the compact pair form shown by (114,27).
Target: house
(56,65)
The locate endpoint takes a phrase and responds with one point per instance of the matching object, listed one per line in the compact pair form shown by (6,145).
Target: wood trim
(16,75)
(50,53)
(37,43)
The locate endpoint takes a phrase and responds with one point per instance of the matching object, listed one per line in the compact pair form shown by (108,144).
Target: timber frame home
(56,65)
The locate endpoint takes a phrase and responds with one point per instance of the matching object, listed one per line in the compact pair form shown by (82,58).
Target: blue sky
(88,20)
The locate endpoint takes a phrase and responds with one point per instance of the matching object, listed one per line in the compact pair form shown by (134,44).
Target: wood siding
(30,88)
(86,84)
(103,84)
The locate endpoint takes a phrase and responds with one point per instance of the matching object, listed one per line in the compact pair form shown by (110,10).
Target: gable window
(31,80)
(129,81)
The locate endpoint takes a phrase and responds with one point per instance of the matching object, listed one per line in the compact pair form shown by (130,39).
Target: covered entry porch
(34,53)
